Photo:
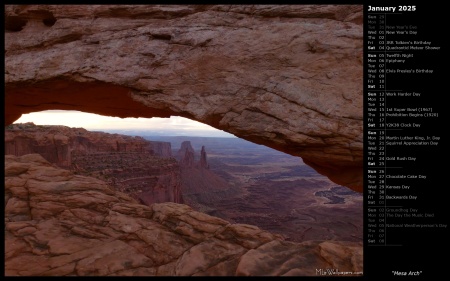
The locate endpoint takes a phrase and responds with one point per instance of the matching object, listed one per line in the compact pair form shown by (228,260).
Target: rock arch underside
(288,77)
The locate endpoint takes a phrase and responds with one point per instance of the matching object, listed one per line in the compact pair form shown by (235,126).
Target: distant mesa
(160,148)
(185,146)
(186,156)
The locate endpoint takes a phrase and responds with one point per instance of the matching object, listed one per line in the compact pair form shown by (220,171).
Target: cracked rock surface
(61,224)
(288,77)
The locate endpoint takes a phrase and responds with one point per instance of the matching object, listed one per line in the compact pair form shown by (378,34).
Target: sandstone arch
(289,77)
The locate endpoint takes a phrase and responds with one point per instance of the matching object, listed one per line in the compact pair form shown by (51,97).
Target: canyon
(285,76)
(237,180)
(253,184)
(61,224)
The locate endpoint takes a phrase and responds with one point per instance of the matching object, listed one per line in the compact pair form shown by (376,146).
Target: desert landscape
(284,79)
(230,178)
(270,189)
(237,183)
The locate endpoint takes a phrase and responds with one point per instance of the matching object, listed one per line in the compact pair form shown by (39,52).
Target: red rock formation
(200,186)
(288,77)
(161,149)
(61,224)
(58,143)
(203,164)
(147,178)
(52,144)
(188,159)
(132,165)
(185,145)
(186,154)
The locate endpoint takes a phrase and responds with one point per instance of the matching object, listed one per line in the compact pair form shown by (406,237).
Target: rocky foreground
(58,223)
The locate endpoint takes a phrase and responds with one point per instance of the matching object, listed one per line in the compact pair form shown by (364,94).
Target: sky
(173,126)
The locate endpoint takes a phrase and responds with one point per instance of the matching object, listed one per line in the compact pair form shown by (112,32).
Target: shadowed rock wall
(288,77)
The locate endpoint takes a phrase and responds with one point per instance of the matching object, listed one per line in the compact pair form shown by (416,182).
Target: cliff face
(132,165)
(52,145)
(166,189)
(57,144)
(201,187)
(203,164)
(288,77)
(162,149)
(186,155)
(61,224)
